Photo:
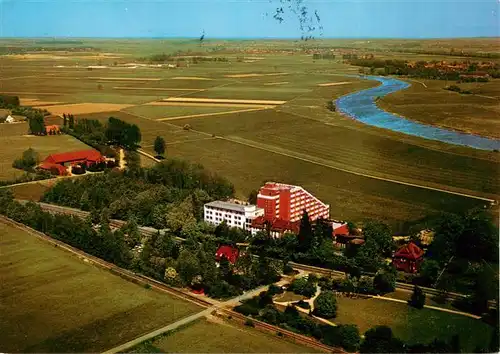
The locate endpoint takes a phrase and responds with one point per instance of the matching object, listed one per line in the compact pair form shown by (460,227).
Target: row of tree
(170,194)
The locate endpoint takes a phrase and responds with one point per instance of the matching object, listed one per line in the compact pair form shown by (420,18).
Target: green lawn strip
(410,324)
(204,336)
(155,112)
(54,302)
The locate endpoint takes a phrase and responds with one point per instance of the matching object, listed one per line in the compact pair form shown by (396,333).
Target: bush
(303,287)
(348,337)
(303,304)
(274,290)
(384,282)
(247,309)
(186,127)
(325,305)
(249,323)
(288,269)
(417,298)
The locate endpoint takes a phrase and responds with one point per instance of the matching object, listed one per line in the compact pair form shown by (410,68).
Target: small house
(9,119)
(408,258)
(228,252)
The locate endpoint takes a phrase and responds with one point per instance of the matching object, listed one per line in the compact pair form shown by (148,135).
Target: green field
(476,113)
(299,142)
(205,336)
(410,324)
(14,140)
(51,301)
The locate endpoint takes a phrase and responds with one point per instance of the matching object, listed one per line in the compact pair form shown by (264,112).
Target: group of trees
(102,136)
(99,241)
(421,69)
(122,133)
(27,161)
(192,264)
(170,194)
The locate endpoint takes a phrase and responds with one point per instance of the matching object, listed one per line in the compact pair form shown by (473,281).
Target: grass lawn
(288,296)
(204,336)
(155,112)
(53,302)
(32,191)
(14,142)
(410,324)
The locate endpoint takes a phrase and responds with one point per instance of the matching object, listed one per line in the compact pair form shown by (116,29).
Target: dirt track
(215,114)
(221,100)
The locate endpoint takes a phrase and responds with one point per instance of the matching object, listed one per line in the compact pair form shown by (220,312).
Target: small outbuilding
(228,252)
(408,258)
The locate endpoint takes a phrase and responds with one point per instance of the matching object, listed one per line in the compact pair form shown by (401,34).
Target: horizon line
(240,38)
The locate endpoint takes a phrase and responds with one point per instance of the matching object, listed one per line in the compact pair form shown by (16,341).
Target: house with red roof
(59,163)
(228,252)
(277,227)
(408,258)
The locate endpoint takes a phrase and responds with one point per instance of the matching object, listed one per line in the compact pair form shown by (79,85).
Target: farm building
(58,163)
(9,119)
(408,258)
(53,129)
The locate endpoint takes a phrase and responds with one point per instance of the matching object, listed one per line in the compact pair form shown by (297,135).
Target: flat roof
(230,206)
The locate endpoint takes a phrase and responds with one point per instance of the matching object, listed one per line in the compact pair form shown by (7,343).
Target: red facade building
(408,258)
(287,202)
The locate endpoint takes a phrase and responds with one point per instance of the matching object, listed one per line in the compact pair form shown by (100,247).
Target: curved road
(362,107)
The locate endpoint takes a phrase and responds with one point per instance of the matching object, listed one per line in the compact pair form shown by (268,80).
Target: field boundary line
(309,159)
(160,331)
(442,309)
(215,113)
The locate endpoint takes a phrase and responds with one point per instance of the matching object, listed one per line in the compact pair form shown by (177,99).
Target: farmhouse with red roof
(58,163)
(408,258)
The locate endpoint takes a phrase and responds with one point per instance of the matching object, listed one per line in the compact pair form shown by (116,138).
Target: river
(361,106)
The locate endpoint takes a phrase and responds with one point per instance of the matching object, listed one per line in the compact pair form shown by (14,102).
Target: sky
(247,18)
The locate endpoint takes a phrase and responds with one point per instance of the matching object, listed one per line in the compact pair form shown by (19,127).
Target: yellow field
(190,78)
(85,108)
(334,83)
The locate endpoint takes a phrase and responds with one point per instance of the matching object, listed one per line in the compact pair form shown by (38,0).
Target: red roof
(409,251)
(341,230)
(74,156)
(278,225)
(51,166)
(228,252)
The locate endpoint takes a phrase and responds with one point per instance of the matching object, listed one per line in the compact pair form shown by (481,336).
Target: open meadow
(261,114)
(410,324)
(14,139)
(218,336)
(51,301)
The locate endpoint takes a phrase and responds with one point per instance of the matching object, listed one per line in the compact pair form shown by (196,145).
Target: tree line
(166,195)
(421,70)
